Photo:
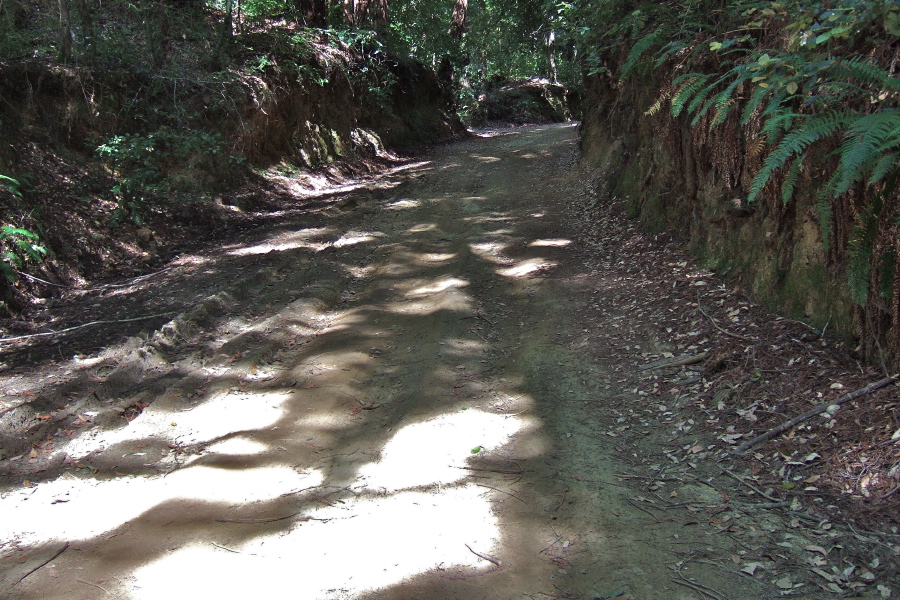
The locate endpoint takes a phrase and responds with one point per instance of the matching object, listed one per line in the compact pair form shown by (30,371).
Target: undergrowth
(812,87)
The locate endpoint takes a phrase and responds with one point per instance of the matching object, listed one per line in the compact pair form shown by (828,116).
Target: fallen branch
(99,587)
(502,471)
(485,556)
(68,329)
(813,412)
(750,485)
(678,361)
(255,521)
(46,562)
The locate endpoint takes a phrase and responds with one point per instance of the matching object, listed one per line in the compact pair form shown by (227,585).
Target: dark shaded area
(525,102)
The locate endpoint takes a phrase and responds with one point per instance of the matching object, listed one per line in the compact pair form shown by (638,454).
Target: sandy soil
(399,395)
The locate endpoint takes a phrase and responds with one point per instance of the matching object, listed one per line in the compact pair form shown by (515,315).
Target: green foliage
(19,245)
(148,166)
(11,184)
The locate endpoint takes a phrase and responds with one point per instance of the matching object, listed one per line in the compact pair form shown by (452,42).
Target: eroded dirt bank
(426,391)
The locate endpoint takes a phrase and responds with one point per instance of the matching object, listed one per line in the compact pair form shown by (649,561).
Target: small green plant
(19,246)
(142,164)
(11,184)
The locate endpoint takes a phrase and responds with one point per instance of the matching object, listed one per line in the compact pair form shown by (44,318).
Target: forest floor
(446,384)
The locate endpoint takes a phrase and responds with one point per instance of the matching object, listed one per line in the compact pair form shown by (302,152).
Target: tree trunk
(313,13)
(551,55)
(65,32)
(459,21)
(88,33)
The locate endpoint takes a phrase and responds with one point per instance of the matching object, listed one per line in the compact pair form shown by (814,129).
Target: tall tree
(459,20)
(357,12)
(314,13)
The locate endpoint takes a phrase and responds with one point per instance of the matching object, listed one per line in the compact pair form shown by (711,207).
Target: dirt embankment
(117,168)
(458,383)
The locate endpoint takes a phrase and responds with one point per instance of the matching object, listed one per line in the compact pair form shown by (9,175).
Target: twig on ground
(678,361)
(813,412)
(641,508)
(99,587)
(68,329)
(46,562)
(697,587)
(272,520)
(754,505)
(39,280)
(485,556)
(501,491)
(226,548)
(890,493)
(501,471)
(750,485)
(717,326)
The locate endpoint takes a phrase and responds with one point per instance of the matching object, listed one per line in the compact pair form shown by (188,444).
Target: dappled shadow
(320,432)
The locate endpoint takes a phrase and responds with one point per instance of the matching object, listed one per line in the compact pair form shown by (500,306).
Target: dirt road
(397,398)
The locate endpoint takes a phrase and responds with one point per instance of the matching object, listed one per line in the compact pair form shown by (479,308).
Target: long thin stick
(750,485)
(485,556)
(678,361)
(483,470)
(99,587)
(813,412)
(51,559)
(68,329)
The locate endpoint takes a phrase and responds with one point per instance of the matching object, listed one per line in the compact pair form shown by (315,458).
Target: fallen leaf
(785,583)
(823,574)
(751,568)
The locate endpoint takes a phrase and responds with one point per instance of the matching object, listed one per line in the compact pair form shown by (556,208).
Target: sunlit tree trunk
(551,55)
(358,11)
(459,21)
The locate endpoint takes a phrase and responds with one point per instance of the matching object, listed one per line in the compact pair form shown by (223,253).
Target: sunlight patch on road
(360,546)
(71,508)
(221,415)
(403,204)
(438,286)
(300,239)
(527,267)
(463,347)
(557,243)
(351,238)
(434,257)
(239,446)
(433,451)
(422,228)
(485,159)
(449,299)
(490,251)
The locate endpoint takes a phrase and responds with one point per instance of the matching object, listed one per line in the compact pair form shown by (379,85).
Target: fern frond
(796,142)
(641,46)
(864,70)
(755,99)
(694,82)
(667,51)
(756,148)
(700,98)
(885,165)
(777,125)
(790,182)
(865,142)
